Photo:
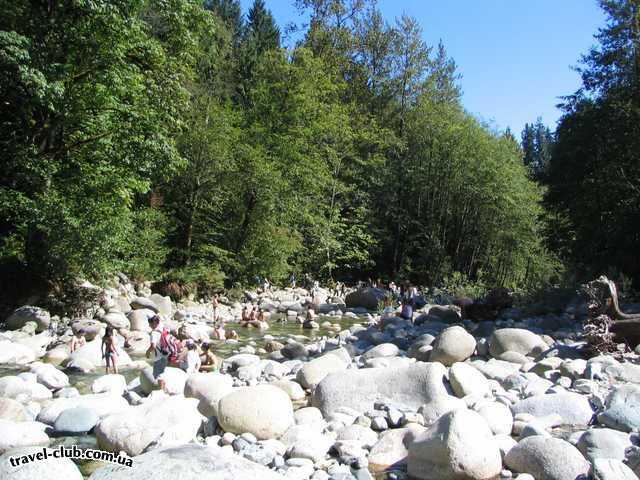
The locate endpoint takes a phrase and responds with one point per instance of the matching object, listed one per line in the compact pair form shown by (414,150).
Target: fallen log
(607,328)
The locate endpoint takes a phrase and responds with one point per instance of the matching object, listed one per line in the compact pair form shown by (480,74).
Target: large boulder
(161,422)
(574,408)
(102,404)
(603,443)
(264,410)
(143,302)
(453,345)
(76,420)
(165,307)
(611,469)
(448,313)
(392,448)
(187,462)
(313,372)
(15,353)
(49,376)
(622,410)
(208,388)
(114,384)
(49,469)
(23,390)
(27,313)
(21,434)
(368,298)
(12,410)
(89,357)
(467,380)
(410,386)
(516,340)
(91,328)
(305,442)
(139,319)
(116,319)
(381,351)
(459,445)
(547,458)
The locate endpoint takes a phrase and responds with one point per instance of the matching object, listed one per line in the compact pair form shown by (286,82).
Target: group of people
(255,317)
(168,350)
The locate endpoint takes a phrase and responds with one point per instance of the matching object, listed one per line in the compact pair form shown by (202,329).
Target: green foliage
(459,285)
(176,141)
(593,193)
(93,94)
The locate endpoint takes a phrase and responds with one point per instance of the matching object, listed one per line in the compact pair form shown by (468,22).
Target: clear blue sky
(514,55)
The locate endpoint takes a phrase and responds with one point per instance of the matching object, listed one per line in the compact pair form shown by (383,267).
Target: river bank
(357,394)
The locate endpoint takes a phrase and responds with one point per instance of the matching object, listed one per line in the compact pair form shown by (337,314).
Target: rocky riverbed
(353,395)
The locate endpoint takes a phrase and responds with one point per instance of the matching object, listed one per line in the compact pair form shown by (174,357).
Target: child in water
(78,340)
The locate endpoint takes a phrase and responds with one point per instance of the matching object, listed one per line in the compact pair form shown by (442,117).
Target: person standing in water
(215,303)
(109,352)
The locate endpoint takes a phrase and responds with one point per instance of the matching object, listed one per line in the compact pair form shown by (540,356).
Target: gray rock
(21,434)
(458,446)
(574,408)
(603,443)
(410,386)
(208,388)
(294,350)
(160,422)
(49,469)
(313,372)
(516,340)
(193,462)
(611,469)
(382,350)
(622,409)
(467,380)
(365,298)
(547,459)
(391,450)
(142,302)
(264,410)
(12,410)
(448,313)
(440,405)
(498,416)
(76,420)
(27,313)
(453,345)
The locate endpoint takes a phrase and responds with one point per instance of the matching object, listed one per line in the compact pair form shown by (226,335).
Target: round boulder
(547,458)
(264,410)
(453,345)
(516,340)
(27,313)
(208,388)
(459,445)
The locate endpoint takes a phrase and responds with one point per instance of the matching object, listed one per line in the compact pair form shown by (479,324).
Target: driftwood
(608,329)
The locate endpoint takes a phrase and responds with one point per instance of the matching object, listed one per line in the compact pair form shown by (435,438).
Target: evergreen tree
(595,167)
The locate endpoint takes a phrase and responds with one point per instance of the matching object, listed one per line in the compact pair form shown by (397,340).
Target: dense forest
(179,140)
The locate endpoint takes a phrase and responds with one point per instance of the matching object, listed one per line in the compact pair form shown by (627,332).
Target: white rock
(114,384)
(208,388)
(50,469)
(458,446)
(21,434)
(547,458)
(160,422)
(453,345)
(467,380)
(264,410)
